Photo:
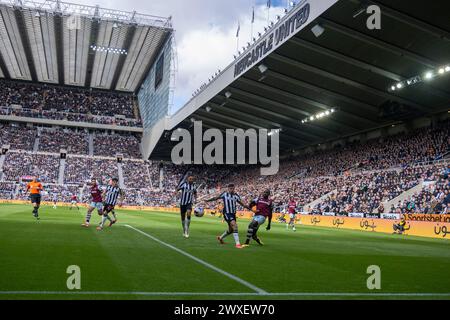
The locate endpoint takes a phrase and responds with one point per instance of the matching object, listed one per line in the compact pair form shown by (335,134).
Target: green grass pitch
(122,263)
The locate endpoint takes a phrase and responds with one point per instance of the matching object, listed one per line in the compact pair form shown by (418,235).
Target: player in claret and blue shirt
(263,212)
(96,202)
(292,210)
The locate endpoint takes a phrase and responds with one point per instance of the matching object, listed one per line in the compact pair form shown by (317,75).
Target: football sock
(225,234)
(104,218)
(236,238)
(257,240)
(183,224)
(114,215)
(88,217)
(250,232)
(187,224)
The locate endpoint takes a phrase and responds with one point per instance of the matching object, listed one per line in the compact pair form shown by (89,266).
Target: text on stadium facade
(275,39)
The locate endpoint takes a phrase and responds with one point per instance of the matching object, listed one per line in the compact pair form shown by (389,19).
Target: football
(199,212)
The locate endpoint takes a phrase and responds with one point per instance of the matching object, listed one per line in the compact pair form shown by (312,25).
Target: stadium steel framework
(51,41)
(346,67)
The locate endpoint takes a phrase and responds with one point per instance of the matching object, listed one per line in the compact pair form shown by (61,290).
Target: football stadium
(333,182)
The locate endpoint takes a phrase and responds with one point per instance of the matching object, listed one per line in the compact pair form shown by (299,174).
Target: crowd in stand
(110,146)
(149,198)
(62,193)
(74,141)
(366,193)
(136,174)
(79,170)
(55,140)
(18,137)
(405,149)
(7,190)
(18,165)
(362,177)
(68,116)
(434,197)
(64,103)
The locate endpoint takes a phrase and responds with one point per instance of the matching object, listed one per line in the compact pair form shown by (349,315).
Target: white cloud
(201,52)
(205,33)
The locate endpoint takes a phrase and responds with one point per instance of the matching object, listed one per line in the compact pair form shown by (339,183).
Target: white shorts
(97,205)
(292,215)
(74,202)
(259,219)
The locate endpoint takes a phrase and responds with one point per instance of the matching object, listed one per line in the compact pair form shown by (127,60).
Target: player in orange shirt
(35,188)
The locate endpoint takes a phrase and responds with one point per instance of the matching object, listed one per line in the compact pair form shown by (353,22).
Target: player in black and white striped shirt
(230,200)
(112,196)
(188,195)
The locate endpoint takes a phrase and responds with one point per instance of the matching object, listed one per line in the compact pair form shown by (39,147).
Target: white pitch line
(202,262)
(237,294)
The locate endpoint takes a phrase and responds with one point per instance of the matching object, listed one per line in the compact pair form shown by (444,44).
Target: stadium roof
(51,41)
(348,68)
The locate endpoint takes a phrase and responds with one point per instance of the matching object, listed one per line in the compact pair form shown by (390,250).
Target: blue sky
(275,3)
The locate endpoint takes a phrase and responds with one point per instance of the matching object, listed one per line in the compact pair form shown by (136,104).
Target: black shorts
(107,208)
(229,217)
(185,208)
(35,199)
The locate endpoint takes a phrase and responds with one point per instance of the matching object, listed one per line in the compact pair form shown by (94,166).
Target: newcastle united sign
(281,32)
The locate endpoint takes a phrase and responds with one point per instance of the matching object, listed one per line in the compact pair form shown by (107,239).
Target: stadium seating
(434,196)
(70,116)
(7,190)
(79,170)
(136,174)
(76,142)
(63,193)
(55,140)
(366,192)
(64,103)
(149,198)
(355,178)
(22,164)
(18,137)
(111,145)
